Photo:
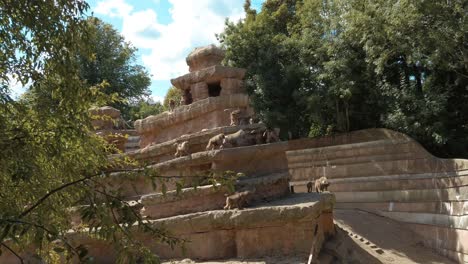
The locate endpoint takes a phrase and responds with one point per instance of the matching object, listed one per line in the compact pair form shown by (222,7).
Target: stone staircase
(397,178)
(132,144)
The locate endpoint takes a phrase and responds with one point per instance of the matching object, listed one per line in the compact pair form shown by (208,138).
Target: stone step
(449,221)
(248,233)
(159,152)
(444,208)
(400,184)
(378,168)
(459,193)
(445,241)
(387,240)
(333,154)
(205,198)
(448,175)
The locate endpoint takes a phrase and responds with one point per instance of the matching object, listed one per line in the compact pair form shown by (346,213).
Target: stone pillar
(231,86)
(199,91)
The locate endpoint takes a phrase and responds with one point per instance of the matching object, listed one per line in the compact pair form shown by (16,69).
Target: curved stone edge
(205,198)
(157,152)
(209,74)
(186,112)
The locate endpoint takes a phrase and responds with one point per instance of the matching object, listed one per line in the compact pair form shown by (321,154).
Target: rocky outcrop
(204,57)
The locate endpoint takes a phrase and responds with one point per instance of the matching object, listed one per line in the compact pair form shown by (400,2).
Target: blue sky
(165,31)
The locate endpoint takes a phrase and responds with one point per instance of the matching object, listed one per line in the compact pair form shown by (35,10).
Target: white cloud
(194,23)
(113,8)
(156,98)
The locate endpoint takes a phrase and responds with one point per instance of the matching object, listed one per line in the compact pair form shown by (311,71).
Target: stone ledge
(442,208)
(299,207)
(459,193)
(205,198)
(449,221)
(197,142)
(186,112)
(211,74)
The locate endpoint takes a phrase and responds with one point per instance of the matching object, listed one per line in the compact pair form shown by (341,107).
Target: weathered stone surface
(105,111)
(392,175)
(206,198)
(199,91)
(231,86)
(105,118)
(239,233)
(212,74)
(155,153)
(203,57)
(204,114)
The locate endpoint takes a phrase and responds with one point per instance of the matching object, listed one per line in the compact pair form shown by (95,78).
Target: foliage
(51,162)
(321,66)
(113,60)
(172,94)
(145,108)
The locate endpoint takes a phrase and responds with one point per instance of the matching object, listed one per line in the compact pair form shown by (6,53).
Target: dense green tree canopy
(51,161)
(319,66)
(113,60)
(145,108)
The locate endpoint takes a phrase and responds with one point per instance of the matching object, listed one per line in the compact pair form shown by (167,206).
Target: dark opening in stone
(214,89)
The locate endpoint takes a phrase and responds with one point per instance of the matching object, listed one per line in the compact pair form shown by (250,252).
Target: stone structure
(390,174)
(211,132)
(109,125)
(209,90)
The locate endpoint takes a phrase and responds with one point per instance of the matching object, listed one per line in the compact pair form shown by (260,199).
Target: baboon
(237,200)
(257,136)
(238,139)
(309,187)
(215,142)
(181,149)
(235,117)
(172,105)
(271,136)
(321,184)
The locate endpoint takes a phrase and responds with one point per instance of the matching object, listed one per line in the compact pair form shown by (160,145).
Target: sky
(166,31)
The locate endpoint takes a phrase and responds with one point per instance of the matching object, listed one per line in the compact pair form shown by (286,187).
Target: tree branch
(12,251)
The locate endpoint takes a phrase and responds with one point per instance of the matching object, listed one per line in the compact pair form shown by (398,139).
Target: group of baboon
(240,199)
(238,139)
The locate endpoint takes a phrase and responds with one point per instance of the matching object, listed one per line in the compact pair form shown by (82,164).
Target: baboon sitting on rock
(237,200)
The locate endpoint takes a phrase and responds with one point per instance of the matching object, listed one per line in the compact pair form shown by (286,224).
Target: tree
(113,60)
(322,66)
(51,161)
(172,94)
(145,108)
(275,78)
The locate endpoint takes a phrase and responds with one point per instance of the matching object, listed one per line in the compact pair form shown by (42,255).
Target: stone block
(199,91)
(231,86)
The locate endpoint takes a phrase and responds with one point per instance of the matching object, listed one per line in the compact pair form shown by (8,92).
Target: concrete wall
(394,176)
